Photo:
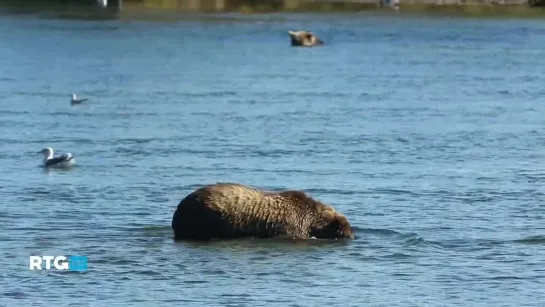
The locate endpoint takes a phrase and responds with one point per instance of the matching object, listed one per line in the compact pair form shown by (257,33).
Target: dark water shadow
(363,237)
(533,240)
(50,171)
(277,243)
(243,243)
(255,244)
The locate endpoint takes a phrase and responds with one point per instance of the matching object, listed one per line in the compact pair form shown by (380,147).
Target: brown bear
(304,39)
(231,210)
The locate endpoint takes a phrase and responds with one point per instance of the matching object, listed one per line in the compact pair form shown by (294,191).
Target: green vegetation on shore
(160,9)
(462,7)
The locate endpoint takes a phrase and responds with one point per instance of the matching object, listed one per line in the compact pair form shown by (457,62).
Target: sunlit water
(427,133)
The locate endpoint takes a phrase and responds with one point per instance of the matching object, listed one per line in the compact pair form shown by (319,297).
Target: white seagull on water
(76,100)
(64,161)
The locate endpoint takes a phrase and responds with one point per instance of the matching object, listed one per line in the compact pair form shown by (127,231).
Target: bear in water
(231,210)
(304,38)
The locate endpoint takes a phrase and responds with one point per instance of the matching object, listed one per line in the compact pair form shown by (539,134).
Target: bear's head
(323,220)
(330,224)
(304,38)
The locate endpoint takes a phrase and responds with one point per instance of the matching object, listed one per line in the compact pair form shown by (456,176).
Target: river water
(428,133)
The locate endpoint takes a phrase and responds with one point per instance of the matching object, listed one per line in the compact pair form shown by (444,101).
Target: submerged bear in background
(230,210)
(304,38)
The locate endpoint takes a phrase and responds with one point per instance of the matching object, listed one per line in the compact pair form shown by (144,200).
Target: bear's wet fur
(231,210)
(304,39)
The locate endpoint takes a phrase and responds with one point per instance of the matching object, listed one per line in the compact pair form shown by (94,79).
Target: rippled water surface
(428,133)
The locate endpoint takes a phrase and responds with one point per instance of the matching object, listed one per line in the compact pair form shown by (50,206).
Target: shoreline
(250,6)
(158,9)
(484,8)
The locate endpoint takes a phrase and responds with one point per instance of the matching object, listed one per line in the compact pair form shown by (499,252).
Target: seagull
(75,100)
(63,161)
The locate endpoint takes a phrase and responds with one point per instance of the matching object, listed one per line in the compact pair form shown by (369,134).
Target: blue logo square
(78,263)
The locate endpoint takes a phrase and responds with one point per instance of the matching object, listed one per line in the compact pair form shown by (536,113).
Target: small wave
(195,281)
(58,113)
(9,112)
(402,140)
(376,231)
(321,94)
(137,140)
(16,294)
(388,191)
(39,94)
(61,138)
(407,239)
(112,261)
(275,153)
(156,229)
(470,244)
(532,240)
(532,175)
(419,241)
(332,191)
(210,94)
(506,278)
(398,256)
(202,113)
(11,142)
(214,272)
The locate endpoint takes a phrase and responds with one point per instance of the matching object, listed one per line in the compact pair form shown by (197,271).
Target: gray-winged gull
(63,161)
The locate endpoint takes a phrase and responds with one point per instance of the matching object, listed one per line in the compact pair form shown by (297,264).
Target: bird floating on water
(65,160)
(76,100)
